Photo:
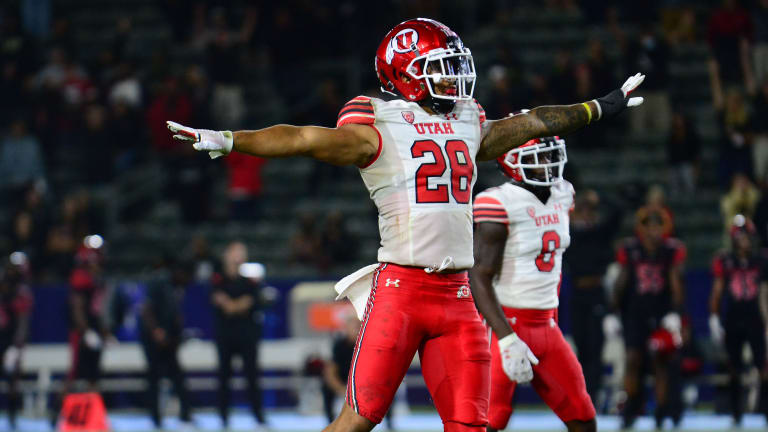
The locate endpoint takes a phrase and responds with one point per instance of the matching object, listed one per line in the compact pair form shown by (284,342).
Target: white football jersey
(421,179)
(537,236)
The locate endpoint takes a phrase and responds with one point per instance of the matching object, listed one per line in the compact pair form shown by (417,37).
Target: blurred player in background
(417,157)
(88,330)
(740,280)
(336,369)
(162,324)
(521,232)
(16,303)
(236,301)
(593,229)
(649,296)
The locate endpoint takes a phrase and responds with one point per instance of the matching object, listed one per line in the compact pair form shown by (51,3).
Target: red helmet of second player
(425,52)
(539,162)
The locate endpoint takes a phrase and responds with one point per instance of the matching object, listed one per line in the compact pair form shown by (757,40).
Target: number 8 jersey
(421,179)
(537,236)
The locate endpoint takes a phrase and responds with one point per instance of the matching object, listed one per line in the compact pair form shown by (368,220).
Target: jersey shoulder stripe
(481,111)
(357,111)
(489,209)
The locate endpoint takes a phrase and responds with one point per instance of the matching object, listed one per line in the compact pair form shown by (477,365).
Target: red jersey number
(462,171)
(550,242)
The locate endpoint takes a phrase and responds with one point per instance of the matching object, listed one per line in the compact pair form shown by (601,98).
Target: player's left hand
(616,101)
(672,323)
(517,359)
(216,143)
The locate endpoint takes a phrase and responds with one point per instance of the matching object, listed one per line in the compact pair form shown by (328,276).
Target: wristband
(508,340)
(589,112)
(599,109)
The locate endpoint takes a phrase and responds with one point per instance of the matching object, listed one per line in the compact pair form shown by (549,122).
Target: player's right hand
(11,359)
(516,358)
(716,330)
(92,339)
(611,326)
(216,143)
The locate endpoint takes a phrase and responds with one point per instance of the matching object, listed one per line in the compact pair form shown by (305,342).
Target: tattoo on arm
(542,121)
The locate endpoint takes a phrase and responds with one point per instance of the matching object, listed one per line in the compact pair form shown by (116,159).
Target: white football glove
(672,323)
(629,86)
(716,330)
(216,143)
(11,359)
(92,339)
(611,326)
(517,358)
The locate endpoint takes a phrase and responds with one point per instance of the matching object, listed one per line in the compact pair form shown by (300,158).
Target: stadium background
(88,84)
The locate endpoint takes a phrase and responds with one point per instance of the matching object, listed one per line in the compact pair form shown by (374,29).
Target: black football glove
(614,102)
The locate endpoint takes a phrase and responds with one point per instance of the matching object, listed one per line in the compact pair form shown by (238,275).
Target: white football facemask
(452,64)
(549,157)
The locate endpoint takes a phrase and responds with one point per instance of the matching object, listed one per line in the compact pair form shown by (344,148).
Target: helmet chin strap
(541,192)
(440,106)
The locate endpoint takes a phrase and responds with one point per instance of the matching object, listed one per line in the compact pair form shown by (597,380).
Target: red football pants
(408,311)
(558,378)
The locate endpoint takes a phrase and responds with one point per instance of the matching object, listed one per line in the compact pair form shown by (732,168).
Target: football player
(649,295)
(417,156)
(739,277)
(521,232)
(16,302)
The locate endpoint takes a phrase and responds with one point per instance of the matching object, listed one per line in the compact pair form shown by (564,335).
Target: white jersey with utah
(537,237)
(421,179)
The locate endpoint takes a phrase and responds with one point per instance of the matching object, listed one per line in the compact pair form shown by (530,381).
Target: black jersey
(648,274)
(741,279)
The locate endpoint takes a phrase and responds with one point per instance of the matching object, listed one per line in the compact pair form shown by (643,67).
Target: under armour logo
(395,282)
(463,292)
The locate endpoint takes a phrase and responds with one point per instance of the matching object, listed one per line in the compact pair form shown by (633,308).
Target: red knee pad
(461,427)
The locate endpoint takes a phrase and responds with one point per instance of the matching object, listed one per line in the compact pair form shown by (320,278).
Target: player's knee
(451,426)
(582,425)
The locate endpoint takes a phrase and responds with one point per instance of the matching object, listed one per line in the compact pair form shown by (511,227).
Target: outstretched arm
(346,145)
(514,131)
(506,134)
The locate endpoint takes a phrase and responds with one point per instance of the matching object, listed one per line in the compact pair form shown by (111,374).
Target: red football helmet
(427,52)
(545,155)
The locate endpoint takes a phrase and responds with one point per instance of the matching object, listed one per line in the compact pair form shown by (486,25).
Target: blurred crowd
(76,120)
(74,123)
